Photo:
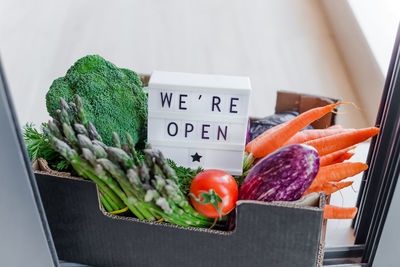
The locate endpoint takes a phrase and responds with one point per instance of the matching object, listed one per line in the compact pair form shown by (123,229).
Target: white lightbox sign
(199,120)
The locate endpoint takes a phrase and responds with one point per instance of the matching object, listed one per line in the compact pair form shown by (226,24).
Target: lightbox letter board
(199,120)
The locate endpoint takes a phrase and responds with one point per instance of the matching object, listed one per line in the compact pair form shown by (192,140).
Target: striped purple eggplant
(283,175)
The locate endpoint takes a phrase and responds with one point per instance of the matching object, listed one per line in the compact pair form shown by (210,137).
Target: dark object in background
(257,127)
(248,135)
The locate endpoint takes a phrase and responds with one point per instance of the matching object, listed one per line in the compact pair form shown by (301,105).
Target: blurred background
(332,48)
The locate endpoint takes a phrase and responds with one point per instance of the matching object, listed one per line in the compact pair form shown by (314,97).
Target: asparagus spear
(82,167)
(147,188)
(107,201)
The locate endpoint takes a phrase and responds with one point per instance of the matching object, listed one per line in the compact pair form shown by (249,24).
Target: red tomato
(213,193)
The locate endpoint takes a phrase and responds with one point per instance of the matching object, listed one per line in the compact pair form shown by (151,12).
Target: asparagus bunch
(147,187)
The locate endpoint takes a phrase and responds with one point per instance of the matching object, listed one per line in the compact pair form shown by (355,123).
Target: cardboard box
(269,234)
(265,234)
(302,102)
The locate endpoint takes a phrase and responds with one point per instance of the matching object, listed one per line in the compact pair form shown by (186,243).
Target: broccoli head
(113,98)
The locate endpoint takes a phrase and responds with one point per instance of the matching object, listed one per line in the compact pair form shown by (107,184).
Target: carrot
(346,156)
(250,144)
(274,138)
(334,212)
(329,144)
(338,172)
(334,157)
(328,188)
(308,135)
(337,126)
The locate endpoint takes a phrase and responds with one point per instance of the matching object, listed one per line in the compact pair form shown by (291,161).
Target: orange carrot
(308,135)
(338,172)
(329,144)
(337,126)
(274,138)
(334,157)
(250,144)
(328,188)
(346,156)
(334,212)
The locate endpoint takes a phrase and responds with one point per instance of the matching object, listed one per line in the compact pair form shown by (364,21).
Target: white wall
(365,31)
(280,44)
(378,21)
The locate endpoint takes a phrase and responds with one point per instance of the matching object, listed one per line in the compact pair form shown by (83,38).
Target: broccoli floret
(113,98)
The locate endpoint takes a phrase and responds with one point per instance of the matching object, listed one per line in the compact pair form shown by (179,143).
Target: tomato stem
(210,197)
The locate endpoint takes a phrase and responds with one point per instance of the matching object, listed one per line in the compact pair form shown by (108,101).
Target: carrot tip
(349,155)
(364,166)
(334,212)
(346,102)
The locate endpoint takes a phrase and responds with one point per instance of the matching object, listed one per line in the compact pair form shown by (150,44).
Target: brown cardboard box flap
(289,101)
(41,166)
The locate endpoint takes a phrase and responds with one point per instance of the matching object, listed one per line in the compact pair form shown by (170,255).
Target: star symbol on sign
(196,157)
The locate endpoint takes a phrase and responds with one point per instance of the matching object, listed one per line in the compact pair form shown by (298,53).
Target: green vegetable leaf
(210,197)
(38,146)
(185,176)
